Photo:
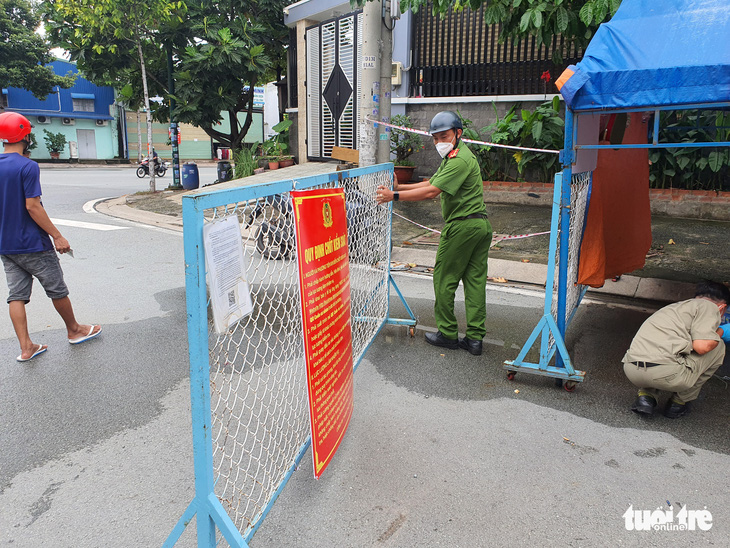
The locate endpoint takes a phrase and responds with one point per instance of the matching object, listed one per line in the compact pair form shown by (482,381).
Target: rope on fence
(484,143)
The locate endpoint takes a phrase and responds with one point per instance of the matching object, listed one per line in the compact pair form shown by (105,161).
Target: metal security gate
(333,85)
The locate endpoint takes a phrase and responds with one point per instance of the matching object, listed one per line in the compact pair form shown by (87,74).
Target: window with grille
(83,105)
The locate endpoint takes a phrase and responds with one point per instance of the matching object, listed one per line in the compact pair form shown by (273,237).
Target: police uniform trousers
(462,256)
(685,380)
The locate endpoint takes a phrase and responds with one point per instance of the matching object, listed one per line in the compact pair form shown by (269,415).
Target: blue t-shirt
(20,178)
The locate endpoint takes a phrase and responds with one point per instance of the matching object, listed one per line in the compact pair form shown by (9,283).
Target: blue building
(86,114)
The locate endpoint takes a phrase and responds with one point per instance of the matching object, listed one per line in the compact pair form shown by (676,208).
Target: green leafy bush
(403,143)
(540,128)
(245,161)
(692,168)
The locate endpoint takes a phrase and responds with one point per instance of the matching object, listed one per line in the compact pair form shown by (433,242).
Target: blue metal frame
(205,506)
(556,327)
(547,326)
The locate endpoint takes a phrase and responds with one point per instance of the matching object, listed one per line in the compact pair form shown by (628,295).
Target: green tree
(221,51)
(576,20)
(24,54)
(108,28)
(233,46)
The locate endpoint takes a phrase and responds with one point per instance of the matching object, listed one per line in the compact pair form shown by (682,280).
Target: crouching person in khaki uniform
(678,349)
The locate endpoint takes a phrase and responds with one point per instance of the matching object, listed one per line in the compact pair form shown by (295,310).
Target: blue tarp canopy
(654,53)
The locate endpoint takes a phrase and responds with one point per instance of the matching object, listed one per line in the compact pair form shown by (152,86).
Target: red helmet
(13,127)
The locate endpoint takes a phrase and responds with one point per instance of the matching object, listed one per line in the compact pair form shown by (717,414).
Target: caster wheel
(559,383)
(511,375)
(412,331)
(570,386)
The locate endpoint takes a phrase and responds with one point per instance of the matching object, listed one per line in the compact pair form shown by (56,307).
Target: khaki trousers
(684,380)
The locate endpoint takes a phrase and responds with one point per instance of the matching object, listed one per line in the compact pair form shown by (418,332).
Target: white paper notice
(230,294)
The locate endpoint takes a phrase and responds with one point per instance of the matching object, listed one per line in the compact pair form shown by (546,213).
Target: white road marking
(89,206)
(90,226)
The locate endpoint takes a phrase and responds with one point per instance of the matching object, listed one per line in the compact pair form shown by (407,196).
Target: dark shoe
(674,410)
(473,346)
(437,339)
(644,405)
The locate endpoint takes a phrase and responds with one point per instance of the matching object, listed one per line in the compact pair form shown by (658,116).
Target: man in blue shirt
(26,249)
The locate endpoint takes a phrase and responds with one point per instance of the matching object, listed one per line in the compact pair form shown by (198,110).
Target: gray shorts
(44,265)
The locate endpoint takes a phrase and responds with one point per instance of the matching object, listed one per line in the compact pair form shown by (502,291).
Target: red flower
(545,77)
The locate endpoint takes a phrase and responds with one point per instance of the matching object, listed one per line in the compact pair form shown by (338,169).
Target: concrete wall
(105,138)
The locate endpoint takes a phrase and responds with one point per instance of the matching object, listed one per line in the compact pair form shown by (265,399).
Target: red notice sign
(324,281)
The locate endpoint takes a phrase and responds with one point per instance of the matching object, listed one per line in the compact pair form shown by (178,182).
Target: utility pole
(174,131)
(370,98)
(386,81)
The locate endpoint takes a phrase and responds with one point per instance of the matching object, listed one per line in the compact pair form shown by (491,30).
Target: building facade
(450,63)
(86,114)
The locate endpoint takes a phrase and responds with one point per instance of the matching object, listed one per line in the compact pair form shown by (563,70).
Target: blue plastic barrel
(190,177)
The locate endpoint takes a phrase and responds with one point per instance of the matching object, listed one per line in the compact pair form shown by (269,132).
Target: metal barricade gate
(248,391)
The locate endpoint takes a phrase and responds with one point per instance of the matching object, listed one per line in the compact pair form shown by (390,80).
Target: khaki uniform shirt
(666,336)
(460,182)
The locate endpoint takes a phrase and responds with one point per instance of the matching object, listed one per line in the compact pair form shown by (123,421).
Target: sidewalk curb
(633,287)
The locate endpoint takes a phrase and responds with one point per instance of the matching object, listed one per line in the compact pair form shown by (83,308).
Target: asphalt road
(442,450)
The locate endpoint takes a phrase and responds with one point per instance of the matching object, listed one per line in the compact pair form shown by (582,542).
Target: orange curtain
(617,235)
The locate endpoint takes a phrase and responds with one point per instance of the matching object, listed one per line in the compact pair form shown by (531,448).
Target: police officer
(464,244)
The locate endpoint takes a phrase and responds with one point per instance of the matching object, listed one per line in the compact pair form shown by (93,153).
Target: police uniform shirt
(460,182)
(666,336)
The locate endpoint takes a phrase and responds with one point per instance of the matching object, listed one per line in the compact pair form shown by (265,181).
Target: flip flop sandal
(88,337)
(41,350)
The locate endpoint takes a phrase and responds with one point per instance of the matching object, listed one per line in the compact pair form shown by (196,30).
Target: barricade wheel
(570,386)
(511,375)
(412,331)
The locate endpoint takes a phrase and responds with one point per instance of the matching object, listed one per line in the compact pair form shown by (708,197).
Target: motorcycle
(160,168)
(275,237)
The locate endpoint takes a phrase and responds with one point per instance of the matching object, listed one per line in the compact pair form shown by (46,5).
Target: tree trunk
(139,139)
(150,148)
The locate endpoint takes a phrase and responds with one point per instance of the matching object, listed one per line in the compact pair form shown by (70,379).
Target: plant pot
(55,155)
(273,165)
(286,162)
(403,174)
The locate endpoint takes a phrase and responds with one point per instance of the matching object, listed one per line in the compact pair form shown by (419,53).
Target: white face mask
(444,148)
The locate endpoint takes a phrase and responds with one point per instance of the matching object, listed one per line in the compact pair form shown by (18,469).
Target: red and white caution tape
(499,239)
(415,223)
(520,236)
(484,143)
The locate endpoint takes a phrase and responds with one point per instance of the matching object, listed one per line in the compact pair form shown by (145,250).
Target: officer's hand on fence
(725,328)
(383,195)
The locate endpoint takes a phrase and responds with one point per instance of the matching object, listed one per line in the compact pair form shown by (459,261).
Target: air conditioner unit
(397,73)
(101,122)
(43,119)
(68,121)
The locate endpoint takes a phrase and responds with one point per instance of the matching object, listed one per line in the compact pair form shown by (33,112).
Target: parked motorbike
(144,168)
(275,237)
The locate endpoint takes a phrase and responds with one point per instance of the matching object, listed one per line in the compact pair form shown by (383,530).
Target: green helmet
(444,121)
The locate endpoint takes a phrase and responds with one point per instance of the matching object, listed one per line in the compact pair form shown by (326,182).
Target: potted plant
(270,149)
(402,145)
(55,143)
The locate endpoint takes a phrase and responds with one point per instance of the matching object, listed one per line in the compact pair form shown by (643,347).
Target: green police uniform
(464,245)
(665,340)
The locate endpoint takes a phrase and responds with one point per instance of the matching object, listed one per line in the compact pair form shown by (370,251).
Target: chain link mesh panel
(260,419)
(580,189)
